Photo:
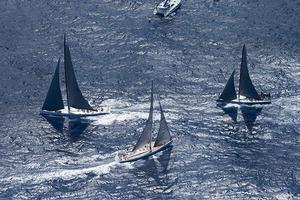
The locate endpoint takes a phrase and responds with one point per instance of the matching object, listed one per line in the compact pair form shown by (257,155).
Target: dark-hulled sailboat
(145,147)
(76,103)
(247,93)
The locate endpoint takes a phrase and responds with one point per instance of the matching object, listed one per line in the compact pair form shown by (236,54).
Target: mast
(151,107)
(243,64)
(66,77)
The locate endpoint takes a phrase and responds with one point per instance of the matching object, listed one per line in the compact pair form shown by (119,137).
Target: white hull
(247,101)
(250,102)
(131,156)
(77,112)
(167,10)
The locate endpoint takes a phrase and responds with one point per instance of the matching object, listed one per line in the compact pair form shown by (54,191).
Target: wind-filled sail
(246,88)
(74,95)
(229,92)
(146,136)
(163,135)
(54,101)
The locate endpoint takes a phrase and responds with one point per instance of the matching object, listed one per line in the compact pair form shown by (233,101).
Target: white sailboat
(77,105)
(167,7)
(247,93)
(145,147)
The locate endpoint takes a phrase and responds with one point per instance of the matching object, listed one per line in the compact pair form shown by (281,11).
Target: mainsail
(54,101)
(146,136)
(246,88)
(229,92)
(163,135)
(74,96)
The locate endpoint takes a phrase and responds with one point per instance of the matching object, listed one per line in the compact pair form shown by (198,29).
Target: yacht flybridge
(76,104)
(167,7)
(247,93)
(145,147)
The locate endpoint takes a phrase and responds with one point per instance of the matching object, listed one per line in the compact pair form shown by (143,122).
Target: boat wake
(65,174)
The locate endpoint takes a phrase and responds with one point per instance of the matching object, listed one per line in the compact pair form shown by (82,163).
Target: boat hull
(78,113)
(143,154)
(166,11)
(245,102)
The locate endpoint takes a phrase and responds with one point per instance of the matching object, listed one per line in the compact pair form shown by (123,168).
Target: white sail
(146,136)
(163,135)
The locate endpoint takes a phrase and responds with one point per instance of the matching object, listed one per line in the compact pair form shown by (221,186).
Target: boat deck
(78,112)
(247,101)
(130,156)
(163,10)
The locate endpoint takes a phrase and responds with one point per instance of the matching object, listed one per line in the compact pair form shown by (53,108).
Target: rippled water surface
(118,47)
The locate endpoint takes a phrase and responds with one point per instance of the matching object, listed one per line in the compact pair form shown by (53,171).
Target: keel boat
(77,105)
(145,147)
(167,7)
(247,93)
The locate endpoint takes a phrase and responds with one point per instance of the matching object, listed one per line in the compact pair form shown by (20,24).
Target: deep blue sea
(117,48)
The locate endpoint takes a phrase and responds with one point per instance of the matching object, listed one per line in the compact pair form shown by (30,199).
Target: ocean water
(117,48)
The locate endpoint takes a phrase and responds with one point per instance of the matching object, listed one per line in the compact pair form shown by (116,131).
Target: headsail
(246,87)
(229,92)
(163,135)
(54,101)
(74,95)
(146,136)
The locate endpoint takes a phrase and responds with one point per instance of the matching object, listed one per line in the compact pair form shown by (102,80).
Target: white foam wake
(38,177)
(66,174)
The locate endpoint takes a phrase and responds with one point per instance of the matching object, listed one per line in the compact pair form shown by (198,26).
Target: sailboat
(77,105)
(247,93)
(145,147)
